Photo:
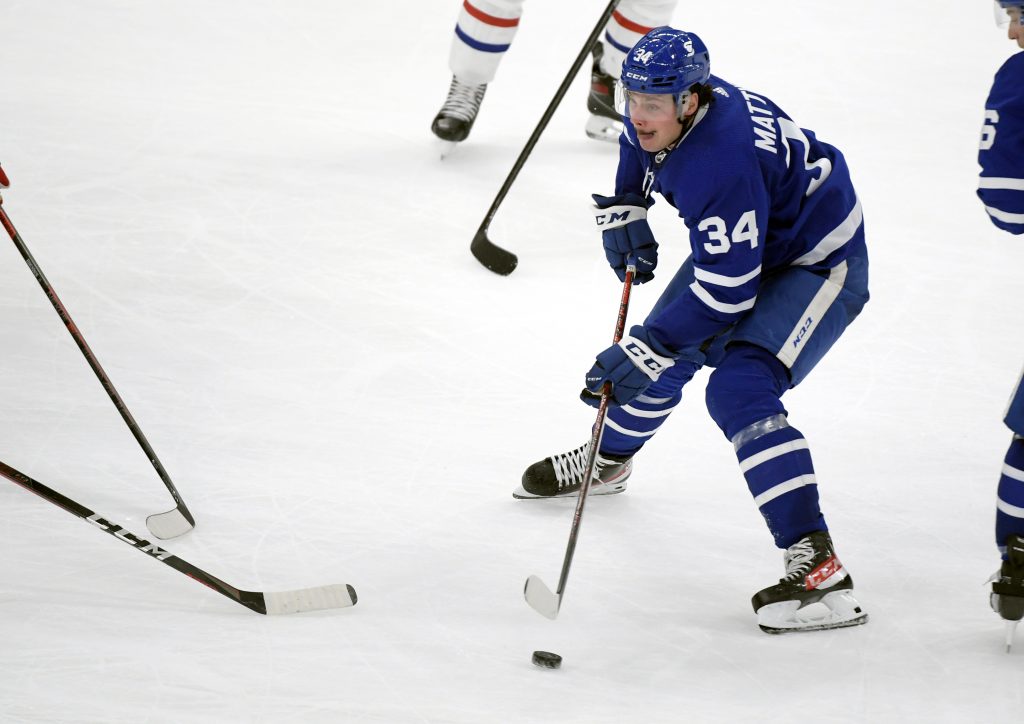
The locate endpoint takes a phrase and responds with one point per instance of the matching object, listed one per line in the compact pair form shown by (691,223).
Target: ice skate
(454,121)
(561,475)
(816,593)
(604,123)
(1007,597)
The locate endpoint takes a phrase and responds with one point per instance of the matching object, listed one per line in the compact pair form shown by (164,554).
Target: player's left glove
(626,234)
(632,365)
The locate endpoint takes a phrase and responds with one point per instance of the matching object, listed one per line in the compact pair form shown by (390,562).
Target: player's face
(656,120)
(1015,31)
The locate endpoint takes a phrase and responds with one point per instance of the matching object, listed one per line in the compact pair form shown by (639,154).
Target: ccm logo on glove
(617,216)
(646,360)
(626,234)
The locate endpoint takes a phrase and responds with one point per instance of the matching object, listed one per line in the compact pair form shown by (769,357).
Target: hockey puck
(546,660)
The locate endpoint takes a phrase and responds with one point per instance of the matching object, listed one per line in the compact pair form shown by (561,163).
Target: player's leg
(1007,596)
(627,428)
(631,21)
(798,317)
(483,33)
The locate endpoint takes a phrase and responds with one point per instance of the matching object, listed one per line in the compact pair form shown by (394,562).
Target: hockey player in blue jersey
(778,269)
(1001,188)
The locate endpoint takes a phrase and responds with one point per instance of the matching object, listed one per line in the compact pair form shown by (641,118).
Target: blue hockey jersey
(757,193)
(1001,154)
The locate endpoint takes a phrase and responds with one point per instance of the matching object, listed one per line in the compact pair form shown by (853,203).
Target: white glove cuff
(616,216)
(647,360)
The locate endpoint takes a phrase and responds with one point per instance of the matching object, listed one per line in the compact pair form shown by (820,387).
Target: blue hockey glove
(626,233)
(632,365)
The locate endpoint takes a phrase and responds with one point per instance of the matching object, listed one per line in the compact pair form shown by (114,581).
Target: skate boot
(561,475)
(1007,597)
(816,592)
(604,123)
(456,117)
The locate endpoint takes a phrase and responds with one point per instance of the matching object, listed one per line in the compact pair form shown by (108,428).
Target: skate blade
(521,493)
(835,610)
(603,129)
(1011,627)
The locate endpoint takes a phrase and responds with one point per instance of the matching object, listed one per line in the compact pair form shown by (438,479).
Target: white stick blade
(540,598)
(340,595)
(168,525)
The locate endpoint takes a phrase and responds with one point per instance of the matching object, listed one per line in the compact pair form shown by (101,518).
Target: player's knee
(746,388)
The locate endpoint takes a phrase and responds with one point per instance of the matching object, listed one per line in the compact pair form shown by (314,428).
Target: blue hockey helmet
(665,61)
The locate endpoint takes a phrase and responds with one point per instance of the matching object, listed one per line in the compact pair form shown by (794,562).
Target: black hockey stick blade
(491,255)
(541,599)
(268,603)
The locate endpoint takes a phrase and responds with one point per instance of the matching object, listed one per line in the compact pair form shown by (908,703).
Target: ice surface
(242,207)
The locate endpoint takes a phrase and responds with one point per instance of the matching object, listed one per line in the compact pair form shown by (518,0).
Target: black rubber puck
(546,660)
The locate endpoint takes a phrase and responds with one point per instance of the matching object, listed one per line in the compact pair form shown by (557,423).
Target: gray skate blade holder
(1011,627)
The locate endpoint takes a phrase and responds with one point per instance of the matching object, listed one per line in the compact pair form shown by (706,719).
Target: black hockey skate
(1007,597)
(604,123)
(816,593)
(455,119)
(561,475)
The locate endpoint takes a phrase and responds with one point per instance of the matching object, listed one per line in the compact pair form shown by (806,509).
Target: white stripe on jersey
(835,238)
(631,433)
(1013,473)
(773,452)
(721,280)
(705,296)
(812,315)
(650,414)
(1005,215)
(783,488)
(1011,510)
(1001,182)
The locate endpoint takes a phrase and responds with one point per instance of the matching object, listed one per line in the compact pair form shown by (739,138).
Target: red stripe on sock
(490,19)
(628,24)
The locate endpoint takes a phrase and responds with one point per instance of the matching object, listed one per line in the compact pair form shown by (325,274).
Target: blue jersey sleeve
(1001,154)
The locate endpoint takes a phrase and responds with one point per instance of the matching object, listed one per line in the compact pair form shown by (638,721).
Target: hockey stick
(172,523)
(537,594)
(492,256)
(303,599)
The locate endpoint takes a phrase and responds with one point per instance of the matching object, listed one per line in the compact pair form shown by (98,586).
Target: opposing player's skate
(455,120)
(816,593)
(1007,597)
(604,122)
(562,475)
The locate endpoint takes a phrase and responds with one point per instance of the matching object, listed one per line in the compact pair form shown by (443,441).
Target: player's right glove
(632,365)
(626,233)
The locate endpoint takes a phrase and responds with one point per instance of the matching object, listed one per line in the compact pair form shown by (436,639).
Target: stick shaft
(94,363)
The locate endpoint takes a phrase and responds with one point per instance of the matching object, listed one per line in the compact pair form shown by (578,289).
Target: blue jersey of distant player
(758,194)
(1001,154)
(1001,184)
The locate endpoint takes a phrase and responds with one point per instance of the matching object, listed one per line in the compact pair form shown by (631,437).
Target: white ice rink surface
(243,208)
